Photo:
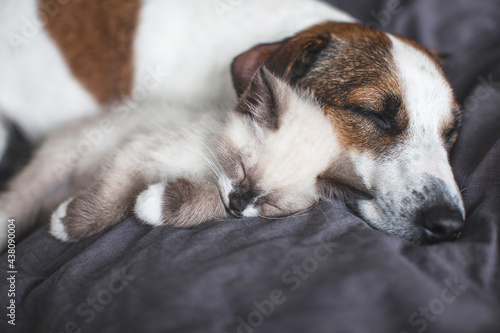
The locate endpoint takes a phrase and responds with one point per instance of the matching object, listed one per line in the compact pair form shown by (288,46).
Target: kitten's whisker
(212,153)
(216,172)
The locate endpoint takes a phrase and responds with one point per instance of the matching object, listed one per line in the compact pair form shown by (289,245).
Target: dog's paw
(149,205)
(57,227)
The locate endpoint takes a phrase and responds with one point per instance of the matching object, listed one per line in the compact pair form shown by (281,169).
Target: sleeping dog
(385,96)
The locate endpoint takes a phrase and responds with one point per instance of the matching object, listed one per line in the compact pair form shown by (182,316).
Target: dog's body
(90,53)
(391,110)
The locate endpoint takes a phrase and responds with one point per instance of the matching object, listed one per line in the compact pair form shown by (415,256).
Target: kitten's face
(278,153)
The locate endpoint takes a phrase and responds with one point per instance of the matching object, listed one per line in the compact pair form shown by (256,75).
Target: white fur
(428,98)
(195,41)
(37,90)
(148,207)
(303,148)
(250,211)
(56,226)
(173,135)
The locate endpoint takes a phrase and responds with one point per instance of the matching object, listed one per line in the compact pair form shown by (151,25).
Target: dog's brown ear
(289,59)
(246,64)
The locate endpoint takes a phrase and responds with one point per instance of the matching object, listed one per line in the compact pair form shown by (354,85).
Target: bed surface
(322,271)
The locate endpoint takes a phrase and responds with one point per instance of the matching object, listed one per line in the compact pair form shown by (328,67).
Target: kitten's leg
(180,203)
(104,204)
(48,175)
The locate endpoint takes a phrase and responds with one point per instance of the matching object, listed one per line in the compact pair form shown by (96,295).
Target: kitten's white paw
(56,226)
(148,206)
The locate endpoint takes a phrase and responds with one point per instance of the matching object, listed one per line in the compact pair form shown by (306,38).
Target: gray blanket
(322,271)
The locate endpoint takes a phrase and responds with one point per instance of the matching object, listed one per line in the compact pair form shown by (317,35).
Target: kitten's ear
(340,181)
(289,59)
(263,99)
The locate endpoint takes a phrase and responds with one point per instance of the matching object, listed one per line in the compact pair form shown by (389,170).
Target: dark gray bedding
(322,271)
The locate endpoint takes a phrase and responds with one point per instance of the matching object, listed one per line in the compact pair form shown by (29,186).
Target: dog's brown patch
(96,40)
(356,80)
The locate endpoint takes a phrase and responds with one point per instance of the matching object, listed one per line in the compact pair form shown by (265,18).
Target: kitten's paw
(166,204)
(180,203)
(57,227)
(149,205)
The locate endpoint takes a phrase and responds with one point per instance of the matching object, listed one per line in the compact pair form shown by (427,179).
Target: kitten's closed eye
(269,210)
(277,206)
(243,174)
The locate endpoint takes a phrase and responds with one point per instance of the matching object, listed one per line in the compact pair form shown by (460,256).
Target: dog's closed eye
(376,117)
(385,119)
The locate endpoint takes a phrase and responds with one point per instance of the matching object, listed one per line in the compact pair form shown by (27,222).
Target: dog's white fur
(37,90)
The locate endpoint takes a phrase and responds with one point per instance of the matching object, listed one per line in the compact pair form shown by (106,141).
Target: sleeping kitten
(275,154)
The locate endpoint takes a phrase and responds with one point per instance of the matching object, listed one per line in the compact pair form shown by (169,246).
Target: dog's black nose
(239,199)
(441,224)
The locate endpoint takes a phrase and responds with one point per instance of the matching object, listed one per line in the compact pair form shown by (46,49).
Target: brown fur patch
(355,79)
(245,65)
(104,204)
(187,203)
(96,40)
